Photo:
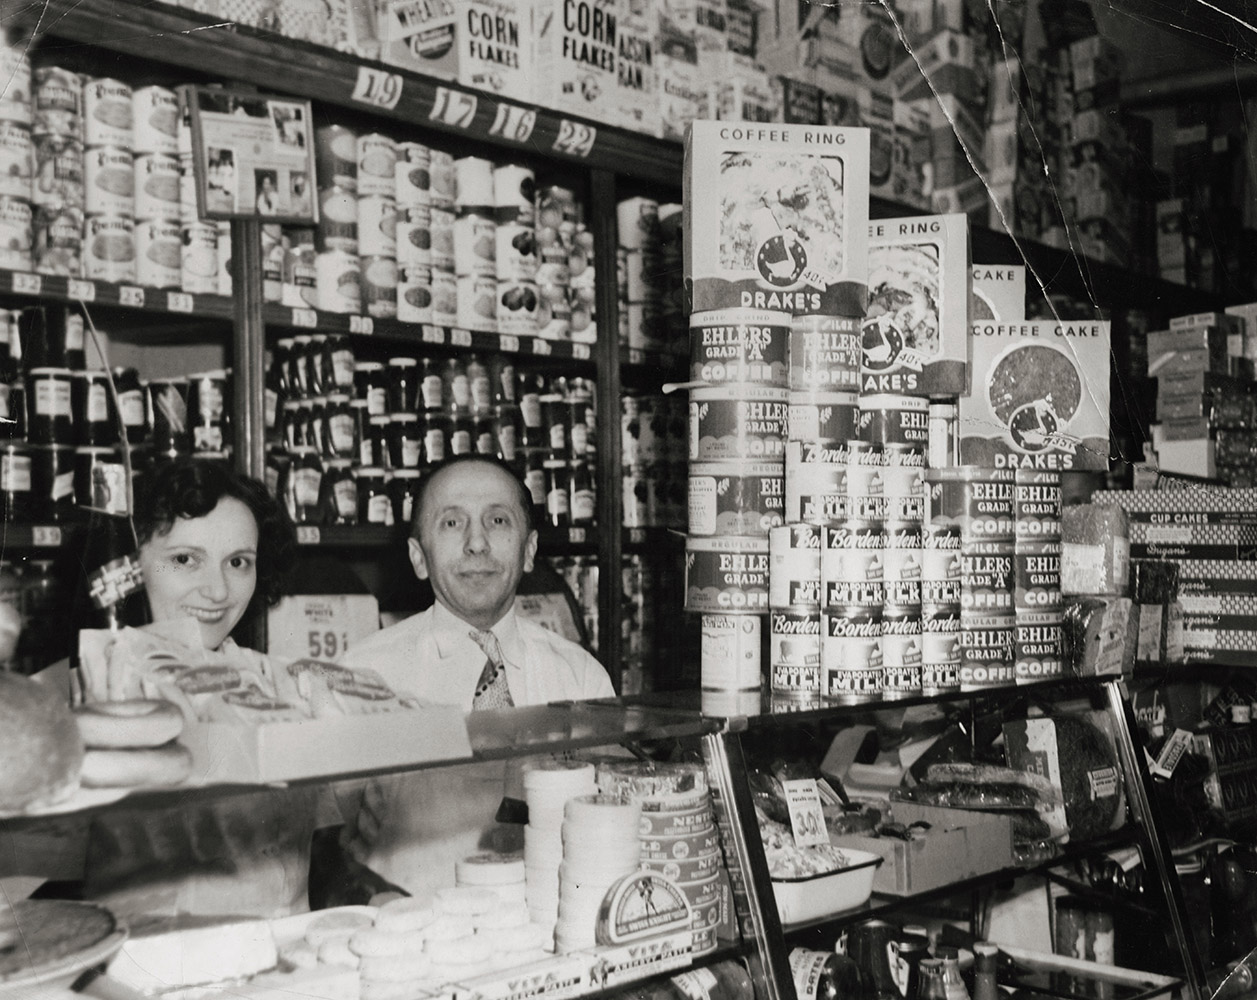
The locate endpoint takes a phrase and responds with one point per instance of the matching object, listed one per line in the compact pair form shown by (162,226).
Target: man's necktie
(492,690)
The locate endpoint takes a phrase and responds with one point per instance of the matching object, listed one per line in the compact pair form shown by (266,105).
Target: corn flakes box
(777,217)
(1040,396)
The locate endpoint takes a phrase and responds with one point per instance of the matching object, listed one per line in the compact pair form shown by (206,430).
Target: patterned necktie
(492,690)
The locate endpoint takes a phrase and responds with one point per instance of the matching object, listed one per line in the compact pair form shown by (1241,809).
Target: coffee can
(825,353)
(734,498)
(794,644)
(739,346)
(816,481)
(901,653)
(893,420)
(851,654)
(1037,579)
(794,560)
(737,423)
(987,578)
(1037,505)
(986,651)
(978,499)
(726,574)
(730,651)
(852,554)
(1038,650)
(822,416)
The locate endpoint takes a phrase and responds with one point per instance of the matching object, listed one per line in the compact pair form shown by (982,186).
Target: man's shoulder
(402,633)
(532,632)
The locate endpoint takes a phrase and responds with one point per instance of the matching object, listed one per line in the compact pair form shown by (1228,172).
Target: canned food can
(57,171)
(336,156)
(100,479)
(726,573)
(1037,505)
(412,179)
(816,481)
(155,120)
(794,561)
(852,557)
(826,417)
(866,487)
(475,244)
(940,650)
(554,314)
(15,70)
(338,282)
(158,248)
(442,232)
(444,184)
(108,113)
(851,654)
(1037,578)
(473,182)
(901,655)
(986,577)
(515,252)
(637,222)
(735,498)
(986,651)
(825,353)
(49,411)
(109,248)
(794,643)
(904,486)
(477,303)
(299,273)
(376,157)
(198,258)
(379,286)
(58,102)
(887,419)
(739,346)
(414,293)
(156,193)
(337,228)
(517,303)
(444,298)
(730,652)
(377,226)
(737,423)
(1038,650)
(978,499)
(58,247)
(15,159)
(16,233)
(901,565)
(52,482)
(414,234)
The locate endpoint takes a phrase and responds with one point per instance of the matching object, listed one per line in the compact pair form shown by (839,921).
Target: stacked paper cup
(413,187)
(547,789)
(57,192)
(377,223)
(600,846)
(515,212)
(155,141)
(677,833)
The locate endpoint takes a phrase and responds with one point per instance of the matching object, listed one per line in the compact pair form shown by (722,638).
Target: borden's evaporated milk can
(777,217)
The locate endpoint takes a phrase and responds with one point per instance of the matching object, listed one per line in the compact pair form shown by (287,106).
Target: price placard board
(254,156)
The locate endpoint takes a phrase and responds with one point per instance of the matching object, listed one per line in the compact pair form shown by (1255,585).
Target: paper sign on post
(807,818)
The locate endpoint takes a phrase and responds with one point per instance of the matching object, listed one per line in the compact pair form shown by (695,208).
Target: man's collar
(450,632)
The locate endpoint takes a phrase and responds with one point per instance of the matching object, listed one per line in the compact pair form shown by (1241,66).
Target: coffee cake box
(998,293)
(1039,397)
(915,335)
(777,217)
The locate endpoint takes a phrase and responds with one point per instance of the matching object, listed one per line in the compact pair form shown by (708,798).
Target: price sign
(581,352)
(460,338)
(433,334)
(326,644)
(46,536)
(83,291)
(305,317)
(26,283)
(575,138)
(510,343)
(576,535)
(129,295)
(514,123)
(361,324)
(377,88)
(453,107)
(541,347)
(179,302)
(307,534)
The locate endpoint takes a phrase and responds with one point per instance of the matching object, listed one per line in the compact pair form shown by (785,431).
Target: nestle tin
(734,498)
(377,226)
(851,654)
(825,353)
(730,652)
(794,657)
(158,246)
(338,220)
(16,233)
(49,410)
(901,565)
(986,651)
(1038,650)
(851,565)
(739,346)
(887,419)
(1037,505)
(986,578)
(336,156)
(726,573)
(57,171)
(737,422)
(52,482)
(816,481)
(412,175)
(109,248)
(1037,578)
(15,159)
(794,561)
(866,487)
(376,156)
(901,655)
(58,241)
(108,114)
(978,499)
(155,119)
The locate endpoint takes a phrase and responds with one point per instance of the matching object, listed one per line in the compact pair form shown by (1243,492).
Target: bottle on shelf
(824,975)
(985,963)
(113,595)
(721,981)
(931,981)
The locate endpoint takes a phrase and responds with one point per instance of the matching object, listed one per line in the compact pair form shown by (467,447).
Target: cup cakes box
(1040,396)
(777,217)
(915,335)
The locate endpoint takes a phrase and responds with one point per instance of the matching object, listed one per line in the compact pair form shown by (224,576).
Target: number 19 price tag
(377,88)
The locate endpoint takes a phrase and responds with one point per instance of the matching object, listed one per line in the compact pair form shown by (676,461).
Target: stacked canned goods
(337,261)
(565,267)
(653,463)
(515,248)
(737,436)
(205,255)
(1038,652)
(16,218)
(648,275)
(57,189)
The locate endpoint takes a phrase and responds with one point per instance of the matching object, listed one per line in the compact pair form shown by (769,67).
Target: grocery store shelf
(125,296)
(368,536)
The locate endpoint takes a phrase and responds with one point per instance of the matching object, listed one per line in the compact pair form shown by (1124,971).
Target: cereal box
(777,217)
(998,293)
(637,77)
(419,35)
(915,334)
(575,57)
(496,48)
(1040,396)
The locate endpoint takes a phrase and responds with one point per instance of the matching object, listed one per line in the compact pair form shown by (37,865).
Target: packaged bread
(325,689)
(250,706)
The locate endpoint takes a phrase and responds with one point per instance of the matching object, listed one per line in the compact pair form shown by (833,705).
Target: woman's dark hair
(188,488)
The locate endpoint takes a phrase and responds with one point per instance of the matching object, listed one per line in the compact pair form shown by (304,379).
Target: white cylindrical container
(338,282)
(108,113)
(109,248)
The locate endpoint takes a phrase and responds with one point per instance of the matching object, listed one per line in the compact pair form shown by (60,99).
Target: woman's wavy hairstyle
(189,488)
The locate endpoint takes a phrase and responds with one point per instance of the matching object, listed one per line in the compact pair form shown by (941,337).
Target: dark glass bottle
(824,975)
(985,963)
(932,982)
(113,595)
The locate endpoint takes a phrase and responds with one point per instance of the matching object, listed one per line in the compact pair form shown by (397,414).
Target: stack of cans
(338,266)
(206,246)
(15,155)
(639,270)
(1037,603)
(652,453)
(109,181)
(377,223)
(737,437)
(57,190)
(413,191)
(515,250)
(155,142)
(475,244)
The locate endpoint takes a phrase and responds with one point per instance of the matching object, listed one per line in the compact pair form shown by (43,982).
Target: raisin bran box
(777,217)
(915,335)
(1039,398)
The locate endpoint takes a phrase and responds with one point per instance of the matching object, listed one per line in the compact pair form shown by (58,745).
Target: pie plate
(48,943)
